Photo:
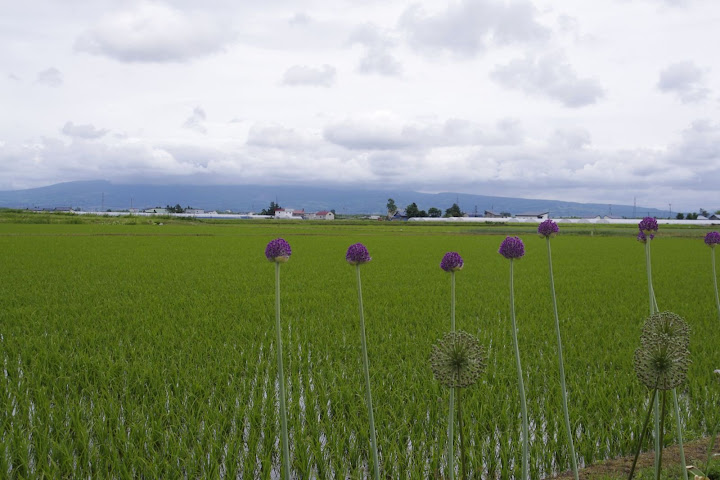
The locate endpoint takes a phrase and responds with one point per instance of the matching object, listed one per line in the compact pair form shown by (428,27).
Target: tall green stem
(281,378)
(451,415)
(568,430)
(368,396)
(717,295)
(521,385)
(648,268)
(642,433)
(463,461)
(679,435)
(662,431)
(653,309)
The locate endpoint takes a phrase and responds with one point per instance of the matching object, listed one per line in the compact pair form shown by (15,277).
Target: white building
(322,215)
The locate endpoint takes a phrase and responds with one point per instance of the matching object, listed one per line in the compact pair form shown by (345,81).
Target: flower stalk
(281,379)
(521,384)
(457,361)
(547,232)
(513,248)
(712,239)
(279,251)
(357,255)
(452,262)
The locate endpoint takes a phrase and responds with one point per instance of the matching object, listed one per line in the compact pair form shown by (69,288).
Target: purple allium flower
(357,254)
(278,250)
(648,225)
(712,239)
(548,229)
(512,247)
(642,238)
(451,262)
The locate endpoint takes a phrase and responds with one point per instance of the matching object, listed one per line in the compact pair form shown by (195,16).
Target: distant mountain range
(103,195)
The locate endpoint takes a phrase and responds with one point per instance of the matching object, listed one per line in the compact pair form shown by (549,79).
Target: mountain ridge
(100,195)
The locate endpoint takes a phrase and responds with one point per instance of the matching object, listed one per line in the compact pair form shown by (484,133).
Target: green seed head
(662,362)
(665,323)
(457,359)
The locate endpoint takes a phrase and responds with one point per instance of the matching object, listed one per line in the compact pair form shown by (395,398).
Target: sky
(614,101)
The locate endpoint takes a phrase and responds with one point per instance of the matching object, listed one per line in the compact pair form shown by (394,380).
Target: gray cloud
(550,76)
(466,27)
(88,132)
(50,77)
(196,121)
(570,138)
(684,79)
(153,32)
(382,131)
(377,58)
(301,75)
(300,18)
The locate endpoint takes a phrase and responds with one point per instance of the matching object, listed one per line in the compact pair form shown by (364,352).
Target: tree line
(695,215)
(413,210)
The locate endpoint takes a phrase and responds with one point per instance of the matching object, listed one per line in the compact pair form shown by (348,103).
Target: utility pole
(670,208)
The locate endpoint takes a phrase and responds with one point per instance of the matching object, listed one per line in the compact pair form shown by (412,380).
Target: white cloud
(196,121)
(88,132)
(684,79)
(301,75)
(155,32)
(468,27)
(550,76)
(276,136)
(51,77)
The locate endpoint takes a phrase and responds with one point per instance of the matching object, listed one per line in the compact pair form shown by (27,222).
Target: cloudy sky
(579,100)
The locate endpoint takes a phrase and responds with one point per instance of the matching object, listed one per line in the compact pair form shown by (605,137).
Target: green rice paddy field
(145,350)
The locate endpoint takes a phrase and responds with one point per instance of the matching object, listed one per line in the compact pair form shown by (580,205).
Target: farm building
(539,215)
(321,215)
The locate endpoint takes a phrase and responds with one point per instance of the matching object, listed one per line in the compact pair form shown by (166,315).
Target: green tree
(412,210)
(391,207)
(704,212)
(271,209)
(454,211)
(679,216)
(176,209)
(434,212)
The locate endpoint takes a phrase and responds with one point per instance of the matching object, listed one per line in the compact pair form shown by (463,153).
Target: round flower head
(662,363)
(648,225)
(642,238)
(357,254)
(451,262)
(278,250)
(668,324)
(712,239)
(548,229)
(512,247)
(457,360)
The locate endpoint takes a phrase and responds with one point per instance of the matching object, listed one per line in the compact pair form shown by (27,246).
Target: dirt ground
(695,454)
